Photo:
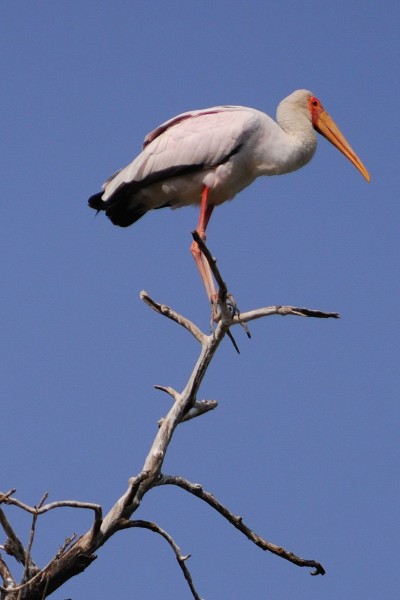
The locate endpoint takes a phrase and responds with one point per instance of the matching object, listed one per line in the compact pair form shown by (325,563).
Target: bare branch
(3,497)
(237,522)
(39,576)
(26,574)
(168,390)
(6,576)
(13,545)
(75,555)
(33,510)
(165,310)
(200,407)
(267,311)
(179,557)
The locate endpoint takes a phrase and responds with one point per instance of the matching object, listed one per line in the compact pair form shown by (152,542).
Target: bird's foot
(237,314)
(226,308)
(231,306)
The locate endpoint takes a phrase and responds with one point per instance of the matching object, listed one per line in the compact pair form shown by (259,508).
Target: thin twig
(181,559)
(33,510)
(25,576)
(68,542)
(237,522)
(13,545)
(3,497)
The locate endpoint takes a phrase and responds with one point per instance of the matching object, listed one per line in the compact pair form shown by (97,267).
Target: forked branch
(76,555)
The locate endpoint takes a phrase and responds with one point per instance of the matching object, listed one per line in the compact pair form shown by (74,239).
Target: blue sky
(304,443)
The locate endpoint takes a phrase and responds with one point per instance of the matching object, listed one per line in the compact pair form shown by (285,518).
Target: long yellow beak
(326,126)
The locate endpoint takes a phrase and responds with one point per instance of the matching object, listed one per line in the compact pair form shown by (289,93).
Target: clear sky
(304,443)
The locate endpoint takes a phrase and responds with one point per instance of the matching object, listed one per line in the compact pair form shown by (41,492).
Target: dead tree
(77,553)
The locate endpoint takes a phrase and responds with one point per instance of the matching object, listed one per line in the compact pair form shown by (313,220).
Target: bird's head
(326,126)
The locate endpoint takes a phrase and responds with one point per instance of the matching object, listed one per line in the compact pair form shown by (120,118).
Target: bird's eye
(314,102)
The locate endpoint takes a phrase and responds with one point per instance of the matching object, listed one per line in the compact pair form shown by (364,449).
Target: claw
(230,336)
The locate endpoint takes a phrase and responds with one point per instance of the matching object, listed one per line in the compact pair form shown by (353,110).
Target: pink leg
(203,266)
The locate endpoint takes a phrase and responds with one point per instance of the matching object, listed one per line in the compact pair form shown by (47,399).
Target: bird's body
(207,156)
(224,148)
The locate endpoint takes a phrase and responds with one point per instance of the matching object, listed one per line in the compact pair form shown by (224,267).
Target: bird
(205,157)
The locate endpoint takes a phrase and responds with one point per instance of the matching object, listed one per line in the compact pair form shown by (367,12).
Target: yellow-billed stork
(207,156)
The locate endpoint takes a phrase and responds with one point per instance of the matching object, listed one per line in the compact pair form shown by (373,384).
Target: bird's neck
(298,136)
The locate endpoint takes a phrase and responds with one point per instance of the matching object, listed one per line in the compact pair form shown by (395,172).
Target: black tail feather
(117,210)
(119,215)
(96,202)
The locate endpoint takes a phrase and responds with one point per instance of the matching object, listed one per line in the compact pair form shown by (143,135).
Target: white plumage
(207,156)
(223,148)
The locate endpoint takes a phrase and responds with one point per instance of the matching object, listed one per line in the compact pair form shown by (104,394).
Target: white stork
(207,156)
